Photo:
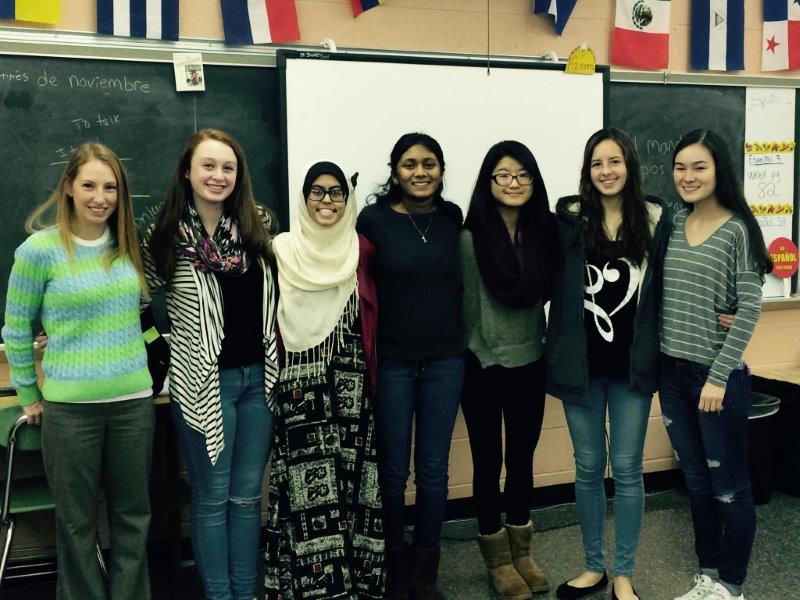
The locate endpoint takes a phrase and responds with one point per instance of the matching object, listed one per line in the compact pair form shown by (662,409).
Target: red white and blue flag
(359,6)
(259,21)
(560,9)
(718,35)
(155,19)
(780,47)
(641,34)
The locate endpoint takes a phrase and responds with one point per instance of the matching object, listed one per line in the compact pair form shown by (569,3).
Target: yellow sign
(581,61)
(767,209)
(776,147)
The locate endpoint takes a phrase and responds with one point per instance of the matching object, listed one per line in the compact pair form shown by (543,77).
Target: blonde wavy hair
(59,210)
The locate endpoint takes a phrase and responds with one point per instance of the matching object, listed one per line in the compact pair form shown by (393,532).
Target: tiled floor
(665,562)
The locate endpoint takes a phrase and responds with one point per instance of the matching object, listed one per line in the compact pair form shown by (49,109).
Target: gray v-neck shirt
(700,282)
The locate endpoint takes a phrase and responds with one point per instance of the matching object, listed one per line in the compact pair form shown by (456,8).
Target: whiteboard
(352,110)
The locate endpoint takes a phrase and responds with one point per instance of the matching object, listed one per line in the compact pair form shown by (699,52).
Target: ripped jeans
(226,496)
(712,449)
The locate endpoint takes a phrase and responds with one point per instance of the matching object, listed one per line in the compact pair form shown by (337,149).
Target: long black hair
(483,206)
(634,231)
(728,190)
(495,254)
(391,192)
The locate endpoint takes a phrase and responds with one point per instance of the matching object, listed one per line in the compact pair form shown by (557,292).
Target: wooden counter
(786,372)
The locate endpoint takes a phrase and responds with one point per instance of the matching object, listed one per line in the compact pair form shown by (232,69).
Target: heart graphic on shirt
(597,279)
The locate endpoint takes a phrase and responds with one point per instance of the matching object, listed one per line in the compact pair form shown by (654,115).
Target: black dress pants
(492,397)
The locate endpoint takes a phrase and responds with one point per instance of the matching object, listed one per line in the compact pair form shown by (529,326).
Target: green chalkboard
(48,106)
(657,115)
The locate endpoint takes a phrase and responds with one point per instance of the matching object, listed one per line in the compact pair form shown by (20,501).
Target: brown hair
(241,204)
(125,239)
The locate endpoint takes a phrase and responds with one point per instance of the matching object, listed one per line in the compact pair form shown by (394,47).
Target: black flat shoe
(568,592)
(615,597)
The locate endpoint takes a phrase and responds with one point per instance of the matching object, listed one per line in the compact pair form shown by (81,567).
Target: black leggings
(491,396)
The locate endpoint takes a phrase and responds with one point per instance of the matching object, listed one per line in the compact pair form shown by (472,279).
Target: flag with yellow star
(780,47)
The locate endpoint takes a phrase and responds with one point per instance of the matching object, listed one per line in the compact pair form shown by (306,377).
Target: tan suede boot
(505,580)
(519,541)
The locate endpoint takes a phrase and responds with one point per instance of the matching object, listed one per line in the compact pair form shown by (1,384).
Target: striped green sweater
(700,282)
(91,315)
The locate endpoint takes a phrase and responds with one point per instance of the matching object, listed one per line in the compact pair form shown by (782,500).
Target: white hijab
(317,279)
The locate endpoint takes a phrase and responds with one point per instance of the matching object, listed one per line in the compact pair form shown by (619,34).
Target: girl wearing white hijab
(324,529)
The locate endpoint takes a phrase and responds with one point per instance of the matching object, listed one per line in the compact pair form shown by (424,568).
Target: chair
(23,495)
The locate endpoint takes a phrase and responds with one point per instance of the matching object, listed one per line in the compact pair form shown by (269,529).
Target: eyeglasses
(505,179)
(336,194)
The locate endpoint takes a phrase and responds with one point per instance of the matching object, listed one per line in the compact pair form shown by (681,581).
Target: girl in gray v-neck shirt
(700,282)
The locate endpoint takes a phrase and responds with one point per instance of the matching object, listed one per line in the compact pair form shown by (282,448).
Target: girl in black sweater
(421,353)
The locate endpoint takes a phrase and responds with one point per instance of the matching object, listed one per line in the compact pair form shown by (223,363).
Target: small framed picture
(189,72)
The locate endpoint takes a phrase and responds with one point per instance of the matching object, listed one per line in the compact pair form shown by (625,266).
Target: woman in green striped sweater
(81,275)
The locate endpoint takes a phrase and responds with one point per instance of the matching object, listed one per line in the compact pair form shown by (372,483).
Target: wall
(461,26)
(451,26)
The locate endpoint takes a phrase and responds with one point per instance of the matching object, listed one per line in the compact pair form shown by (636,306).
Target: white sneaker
(703,584)
(720,592)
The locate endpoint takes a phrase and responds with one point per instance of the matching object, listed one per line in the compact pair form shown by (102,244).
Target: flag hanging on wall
(259,21)
(154,19)
(32,11)
(718,35)
(560,9)
(359,6)
(641,34)
(780,48)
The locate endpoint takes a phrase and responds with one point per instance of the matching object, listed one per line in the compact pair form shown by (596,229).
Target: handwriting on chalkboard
(63,153)
(655,156)
(660,147)
(47,80)
(124,84)
(101,121)
(147,217)
(17,75)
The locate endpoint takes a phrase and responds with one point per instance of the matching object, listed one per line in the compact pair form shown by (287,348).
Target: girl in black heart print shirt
(602,346)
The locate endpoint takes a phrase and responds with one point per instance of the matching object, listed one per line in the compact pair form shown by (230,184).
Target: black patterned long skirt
(324,532)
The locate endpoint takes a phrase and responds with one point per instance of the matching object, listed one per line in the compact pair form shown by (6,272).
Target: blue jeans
(628,412)
(429,390)
(226,496)
(712,449)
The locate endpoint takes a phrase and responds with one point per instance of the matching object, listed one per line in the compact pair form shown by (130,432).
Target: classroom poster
(769,168)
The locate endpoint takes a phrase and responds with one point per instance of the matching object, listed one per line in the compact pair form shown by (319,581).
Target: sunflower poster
(769,169)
